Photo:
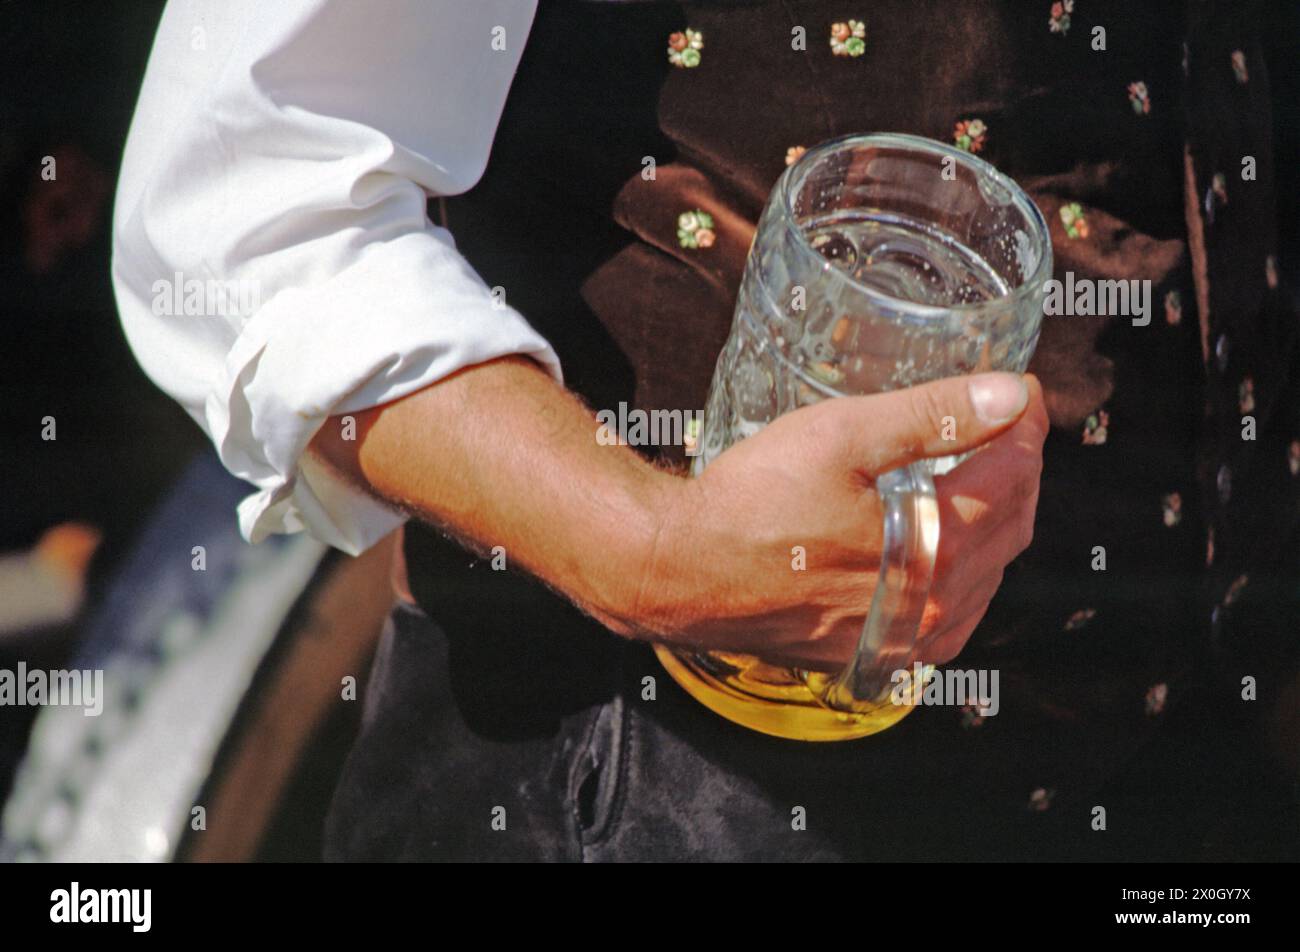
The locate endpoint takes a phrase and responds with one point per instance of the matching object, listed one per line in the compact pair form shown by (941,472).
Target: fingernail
(998,397)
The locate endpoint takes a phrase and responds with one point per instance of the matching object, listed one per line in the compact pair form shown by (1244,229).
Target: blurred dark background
(70,74)
(118,498)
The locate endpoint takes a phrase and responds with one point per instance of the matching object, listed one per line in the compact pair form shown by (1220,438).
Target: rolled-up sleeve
(273,261)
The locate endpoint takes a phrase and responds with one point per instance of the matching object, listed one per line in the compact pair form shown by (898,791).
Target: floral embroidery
(1270,272)
(971,716)
(1173,308)
(1246,395)
(1139,98)
(684,48)
(1173,507)
(1293,457)
(695,229)
(1060,21)
(1234,590)
(794,154)
(849,39)
(1095,428)
(1239,66)
(969,134)
(1080,618)
(1157,694)
(1041,799)
(1076,226)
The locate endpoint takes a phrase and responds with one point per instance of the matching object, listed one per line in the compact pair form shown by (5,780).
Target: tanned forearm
(500,454)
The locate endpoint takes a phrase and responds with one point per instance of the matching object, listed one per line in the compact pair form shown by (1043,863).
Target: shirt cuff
(407,313)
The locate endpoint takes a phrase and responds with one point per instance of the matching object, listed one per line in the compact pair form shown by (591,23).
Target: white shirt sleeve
(272,258)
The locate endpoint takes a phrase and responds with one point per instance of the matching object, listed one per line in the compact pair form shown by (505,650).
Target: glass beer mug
(880,262)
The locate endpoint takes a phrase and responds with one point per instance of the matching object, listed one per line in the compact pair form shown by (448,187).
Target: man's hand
(723,572)
(501,455)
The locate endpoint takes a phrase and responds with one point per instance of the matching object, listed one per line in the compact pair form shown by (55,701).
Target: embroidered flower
(1157,694)
(1293,457)
(794,154)
(1173,507)
(1095,428)
(1076,226)
(1239,67)
(1080,618)
(1234,590)
(969,134)
(1139,98)
(849,39)
(1060,21)
(684,48)
(1041,799)
(1173,308)
(1270,272)
(695,229)
(1246,395)
(971,716)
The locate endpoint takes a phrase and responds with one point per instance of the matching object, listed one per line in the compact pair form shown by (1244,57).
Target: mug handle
(888,639)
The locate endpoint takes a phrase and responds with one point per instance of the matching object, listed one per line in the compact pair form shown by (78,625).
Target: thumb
(886,430)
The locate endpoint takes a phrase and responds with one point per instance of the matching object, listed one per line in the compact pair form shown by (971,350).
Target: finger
(883,431)
(943,648)
(972,581)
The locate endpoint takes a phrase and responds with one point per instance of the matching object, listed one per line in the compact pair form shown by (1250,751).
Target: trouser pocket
(596,777)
